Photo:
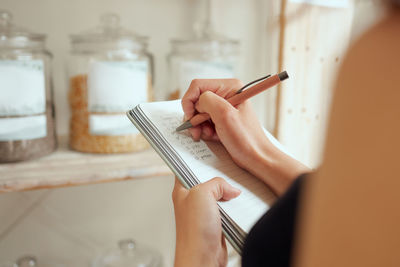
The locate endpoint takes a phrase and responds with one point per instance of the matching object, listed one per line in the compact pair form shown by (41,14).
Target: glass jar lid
(108,35)
(27,261)
(206,46)
(206,41)
(12,36)
(129,254)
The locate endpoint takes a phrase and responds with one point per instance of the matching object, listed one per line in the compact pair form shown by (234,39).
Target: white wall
(366,14)
(161,20)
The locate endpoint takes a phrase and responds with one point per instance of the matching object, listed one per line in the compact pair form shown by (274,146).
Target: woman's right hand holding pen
(239,130)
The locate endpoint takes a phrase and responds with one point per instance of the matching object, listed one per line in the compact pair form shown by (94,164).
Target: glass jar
(27,261)
(27,126)
(206,57)
(110,72)
(129,254)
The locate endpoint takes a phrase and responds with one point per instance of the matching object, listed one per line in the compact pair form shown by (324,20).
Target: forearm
(276,169)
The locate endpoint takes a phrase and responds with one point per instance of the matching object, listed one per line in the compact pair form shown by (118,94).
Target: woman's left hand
(199,239)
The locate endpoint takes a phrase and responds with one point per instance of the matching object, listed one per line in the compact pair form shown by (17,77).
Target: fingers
(222,87)
(207,131)
(217,187)
(179,191)
(217,107)
(232,92)
(204,131)
(245,107)
(195,132)
(220,189)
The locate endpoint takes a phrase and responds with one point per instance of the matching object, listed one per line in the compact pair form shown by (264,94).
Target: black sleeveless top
(270,241)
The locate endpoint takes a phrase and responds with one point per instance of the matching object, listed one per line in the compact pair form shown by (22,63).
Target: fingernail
(237,190)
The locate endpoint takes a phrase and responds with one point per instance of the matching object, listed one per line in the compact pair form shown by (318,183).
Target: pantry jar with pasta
(110,72)
(27,128)
(208,56)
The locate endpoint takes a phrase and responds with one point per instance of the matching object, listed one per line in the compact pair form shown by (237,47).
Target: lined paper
(210,159)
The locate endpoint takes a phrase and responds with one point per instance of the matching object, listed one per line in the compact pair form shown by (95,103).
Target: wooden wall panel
(269,14)
(315,41)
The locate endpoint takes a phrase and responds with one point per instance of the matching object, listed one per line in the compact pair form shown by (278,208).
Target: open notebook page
(210,159)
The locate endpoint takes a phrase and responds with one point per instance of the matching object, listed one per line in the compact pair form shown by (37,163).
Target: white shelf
(69,168)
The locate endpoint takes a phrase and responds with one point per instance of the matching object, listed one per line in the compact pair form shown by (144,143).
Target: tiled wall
(77,223)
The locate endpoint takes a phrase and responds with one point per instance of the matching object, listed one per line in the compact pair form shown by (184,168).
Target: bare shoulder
(377,52)
(384,34)
(369,78)
(365,114)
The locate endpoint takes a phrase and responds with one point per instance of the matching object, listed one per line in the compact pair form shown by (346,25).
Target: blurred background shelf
(70,168)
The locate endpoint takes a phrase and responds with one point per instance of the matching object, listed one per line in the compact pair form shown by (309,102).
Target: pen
(240,96)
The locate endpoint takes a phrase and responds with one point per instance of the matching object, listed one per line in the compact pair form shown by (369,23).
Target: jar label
(118,124)
(117,86)
(23,128)
(190,70)
(22,87)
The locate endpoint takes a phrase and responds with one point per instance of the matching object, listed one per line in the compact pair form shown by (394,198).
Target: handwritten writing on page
(210,159)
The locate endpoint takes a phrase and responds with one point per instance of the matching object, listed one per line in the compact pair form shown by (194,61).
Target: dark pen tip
(283,75)
(184,126)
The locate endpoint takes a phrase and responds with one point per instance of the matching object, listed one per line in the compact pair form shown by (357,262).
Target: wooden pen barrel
(241,97)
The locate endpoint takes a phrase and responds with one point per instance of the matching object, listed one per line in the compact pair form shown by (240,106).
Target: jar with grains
(110,72)
(27,128)
(207,56)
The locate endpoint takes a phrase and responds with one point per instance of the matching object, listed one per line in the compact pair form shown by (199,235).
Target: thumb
(216,106)
(179,192)
(220,189)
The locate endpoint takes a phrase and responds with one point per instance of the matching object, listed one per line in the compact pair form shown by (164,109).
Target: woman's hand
(199,239)
(239,130)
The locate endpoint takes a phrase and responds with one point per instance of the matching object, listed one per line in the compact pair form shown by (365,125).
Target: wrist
(193,256)
(277,169)
(193,260)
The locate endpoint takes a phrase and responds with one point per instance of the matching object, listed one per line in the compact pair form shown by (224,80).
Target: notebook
(197,162)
